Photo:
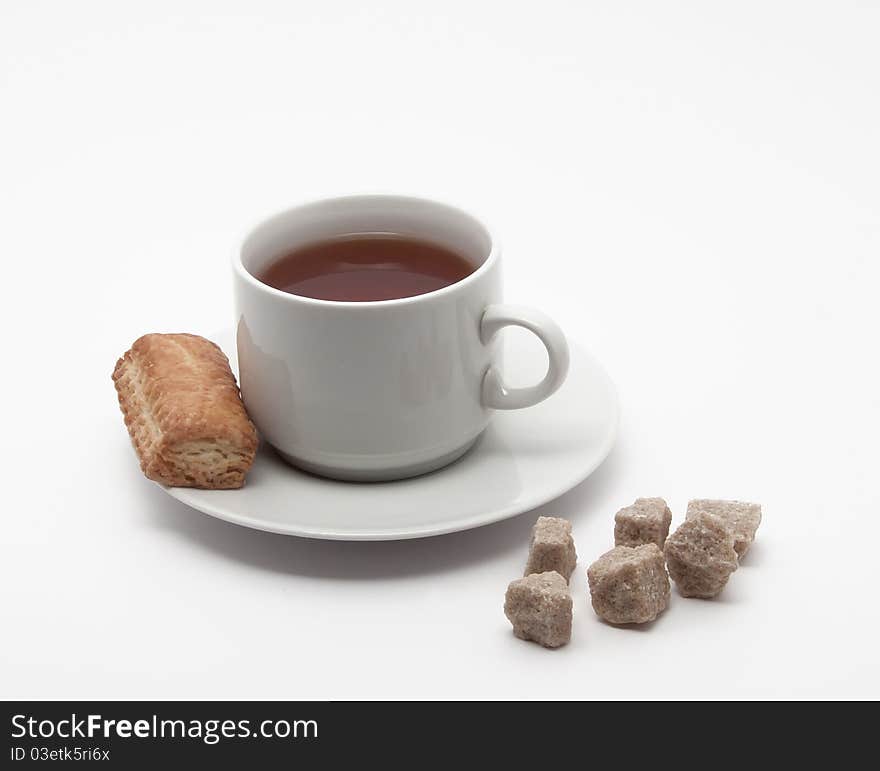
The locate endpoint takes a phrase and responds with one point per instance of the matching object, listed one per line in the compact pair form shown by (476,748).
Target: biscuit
(184,413)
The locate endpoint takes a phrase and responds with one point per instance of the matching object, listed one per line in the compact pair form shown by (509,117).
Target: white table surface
(689,188)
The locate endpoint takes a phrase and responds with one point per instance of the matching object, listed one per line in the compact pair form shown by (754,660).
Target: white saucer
(525,458)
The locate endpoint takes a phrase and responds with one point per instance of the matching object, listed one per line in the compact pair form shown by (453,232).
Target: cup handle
(494,394)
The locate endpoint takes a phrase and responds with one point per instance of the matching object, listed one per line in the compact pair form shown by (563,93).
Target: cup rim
(243,273)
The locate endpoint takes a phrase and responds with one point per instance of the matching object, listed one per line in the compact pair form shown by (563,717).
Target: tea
(366,267)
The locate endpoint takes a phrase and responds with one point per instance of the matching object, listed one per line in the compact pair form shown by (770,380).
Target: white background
(691,189)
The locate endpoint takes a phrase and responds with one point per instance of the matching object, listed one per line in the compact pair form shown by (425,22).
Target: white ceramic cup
(371,391)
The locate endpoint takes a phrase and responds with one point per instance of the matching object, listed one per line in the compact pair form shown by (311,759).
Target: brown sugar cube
(629,585)
(551,547)
(742,518)
(701,556)
(539,607)
(646,521)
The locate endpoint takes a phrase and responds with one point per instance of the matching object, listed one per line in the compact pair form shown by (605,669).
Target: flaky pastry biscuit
(184,413)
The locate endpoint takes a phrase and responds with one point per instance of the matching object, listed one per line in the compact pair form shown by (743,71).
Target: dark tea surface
(366,267)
